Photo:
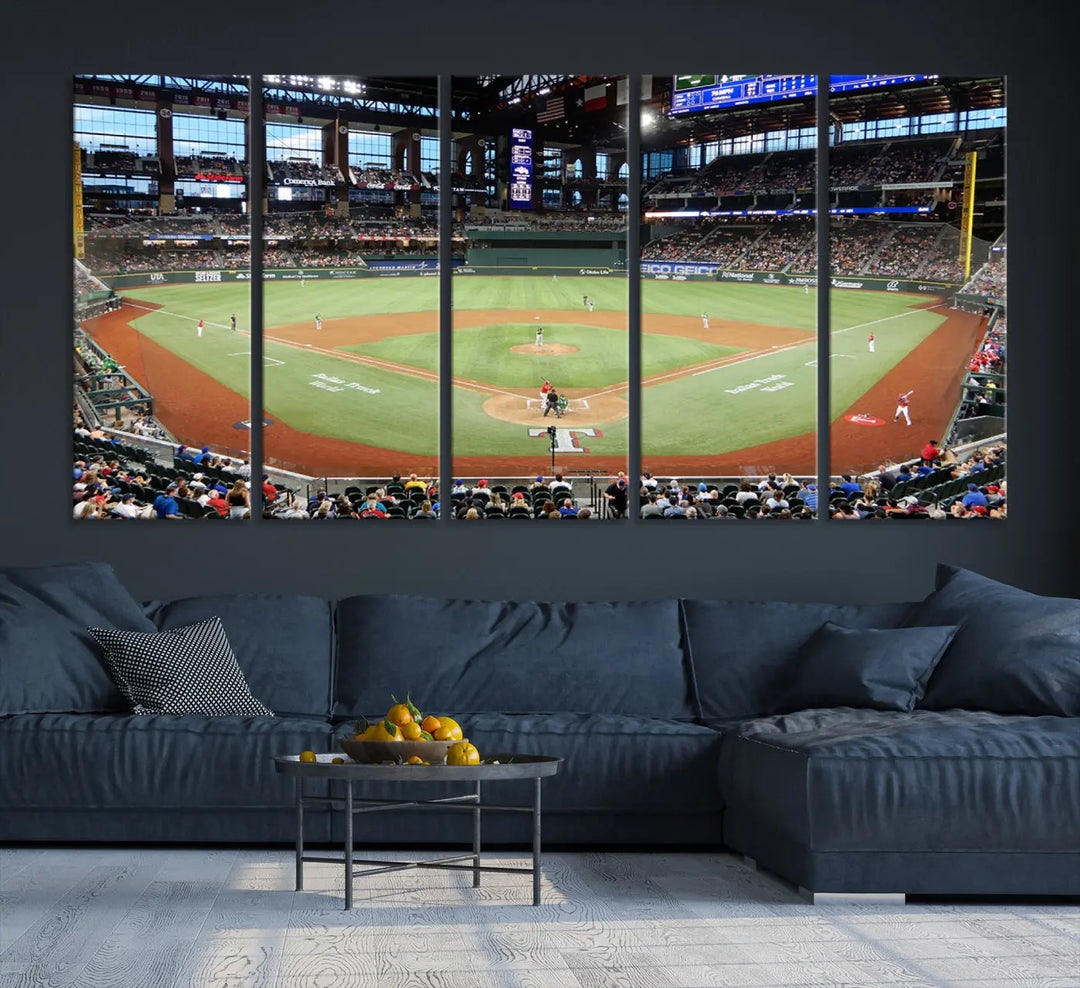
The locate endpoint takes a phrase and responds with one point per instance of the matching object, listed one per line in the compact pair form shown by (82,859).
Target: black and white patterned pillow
(189,670)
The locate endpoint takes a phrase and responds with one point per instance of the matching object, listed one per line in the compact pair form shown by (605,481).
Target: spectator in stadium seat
(238,500)
(371,509)
(931,452)
(425,511)
(415,481)
(776,500)
(675,508)
(296,509)
(205,456)
(974,497)
(617,497)
(270,492)
(650,507)
(568,507)
(126,508)
(850,487)
(559,484)
(165,504)
(745,493)
(216,499)
(584,514)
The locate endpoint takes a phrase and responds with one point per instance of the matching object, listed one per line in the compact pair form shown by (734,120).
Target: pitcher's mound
(547,350)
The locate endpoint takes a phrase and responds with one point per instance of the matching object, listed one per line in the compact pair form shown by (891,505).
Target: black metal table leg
(476,839)
(299,833)
(536,842)
(348,844)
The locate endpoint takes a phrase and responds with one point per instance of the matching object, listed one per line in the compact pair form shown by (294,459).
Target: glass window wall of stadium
(161,334)
(350,296)
(917,328)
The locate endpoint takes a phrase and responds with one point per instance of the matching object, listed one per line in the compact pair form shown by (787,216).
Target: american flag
(550,109)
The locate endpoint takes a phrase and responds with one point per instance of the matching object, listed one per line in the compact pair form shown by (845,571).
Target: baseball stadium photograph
(565,193)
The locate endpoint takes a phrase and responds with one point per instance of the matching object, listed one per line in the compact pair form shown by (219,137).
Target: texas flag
(595,98)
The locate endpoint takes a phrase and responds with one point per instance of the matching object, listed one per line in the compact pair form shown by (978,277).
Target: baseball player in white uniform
(870,342)
(705,319)
(902,406)
(539,335)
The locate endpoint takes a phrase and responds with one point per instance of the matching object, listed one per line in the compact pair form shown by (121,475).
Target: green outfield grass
(708,413)
(482,353)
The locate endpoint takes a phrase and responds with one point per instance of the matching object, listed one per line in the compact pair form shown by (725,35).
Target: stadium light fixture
(648,121)
(326,83)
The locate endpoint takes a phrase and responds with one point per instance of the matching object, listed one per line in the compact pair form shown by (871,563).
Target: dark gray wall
(1035,548)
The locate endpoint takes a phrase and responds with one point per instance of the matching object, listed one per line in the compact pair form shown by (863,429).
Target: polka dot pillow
(189,670)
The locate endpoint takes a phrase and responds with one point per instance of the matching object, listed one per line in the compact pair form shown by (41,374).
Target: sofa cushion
(613,763)
(461,656)
(189,670)
(283,643)
(97,763)
(863,667)
(866,780)
(48,660)
(1015,653)
(740,650)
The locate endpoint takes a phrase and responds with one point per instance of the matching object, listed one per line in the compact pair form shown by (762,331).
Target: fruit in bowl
(406,735)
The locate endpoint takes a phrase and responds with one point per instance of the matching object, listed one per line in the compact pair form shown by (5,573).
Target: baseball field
(359,397)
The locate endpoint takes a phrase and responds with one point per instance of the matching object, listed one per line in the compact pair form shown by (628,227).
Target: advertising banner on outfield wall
(419,267)
(692,271)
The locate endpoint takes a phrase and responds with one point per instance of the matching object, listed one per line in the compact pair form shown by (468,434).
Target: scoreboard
(521,168)
(695,93)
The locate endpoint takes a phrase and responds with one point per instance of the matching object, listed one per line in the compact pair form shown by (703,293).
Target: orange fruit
(431,724)
(337,761)
(308,756)
(415,760)
(449,730)
(411,731)
(385,730)
(462,753)
(399,714)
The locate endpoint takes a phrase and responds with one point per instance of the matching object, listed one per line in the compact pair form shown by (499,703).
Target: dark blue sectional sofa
(954,768)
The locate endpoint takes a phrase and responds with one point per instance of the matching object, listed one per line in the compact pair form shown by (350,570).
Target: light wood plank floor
(201,918)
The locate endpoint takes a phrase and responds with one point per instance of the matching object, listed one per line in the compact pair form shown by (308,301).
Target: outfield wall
(690,271)
(611,264)
(554,259)
(422,267)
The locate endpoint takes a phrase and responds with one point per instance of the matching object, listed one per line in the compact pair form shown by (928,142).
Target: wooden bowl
(395,751)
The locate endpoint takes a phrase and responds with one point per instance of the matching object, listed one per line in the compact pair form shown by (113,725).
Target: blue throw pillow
(48,661)
(877,669)
(1015,653)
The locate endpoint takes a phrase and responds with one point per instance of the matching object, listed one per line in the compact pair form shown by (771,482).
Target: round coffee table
(535,767)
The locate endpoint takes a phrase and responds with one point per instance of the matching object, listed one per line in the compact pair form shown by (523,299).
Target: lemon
(308,756)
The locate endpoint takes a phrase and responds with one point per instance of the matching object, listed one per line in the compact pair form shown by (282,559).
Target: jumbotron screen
(696,93)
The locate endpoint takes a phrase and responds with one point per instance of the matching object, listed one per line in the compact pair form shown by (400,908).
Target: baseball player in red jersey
(902,406)
(870,342)
(199,328)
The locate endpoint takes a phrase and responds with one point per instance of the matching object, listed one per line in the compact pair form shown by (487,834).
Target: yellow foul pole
(77,211)
(968,213)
